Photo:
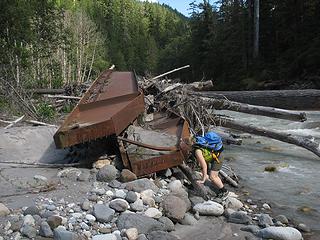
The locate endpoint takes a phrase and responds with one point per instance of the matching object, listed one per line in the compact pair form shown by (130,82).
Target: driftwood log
(308,99)
(305,142)
(221,104)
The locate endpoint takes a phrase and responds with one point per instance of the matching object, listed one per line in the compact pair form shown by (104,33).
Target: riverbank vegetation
(54,43)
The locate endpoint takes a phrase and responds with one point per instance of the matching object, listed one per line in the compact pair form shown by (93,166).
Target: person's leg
(203,165)
(214,177)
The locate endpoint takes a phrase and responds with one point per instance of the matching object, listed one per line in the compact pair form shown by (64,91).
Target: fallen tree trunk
(308,99)
(221,104)
(46,91)
(14,122)
(307,143)
(63,97)
(199,188)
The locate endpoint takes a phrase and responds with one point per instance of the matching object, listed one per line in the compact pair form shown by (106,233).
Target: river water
(295,184)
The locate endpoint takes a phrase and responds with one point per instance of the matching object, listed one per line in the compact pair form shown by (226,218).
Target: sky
(181,5)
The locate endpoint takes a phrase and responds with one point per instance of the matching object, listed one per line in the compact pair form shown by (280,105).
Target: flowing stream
(295,184)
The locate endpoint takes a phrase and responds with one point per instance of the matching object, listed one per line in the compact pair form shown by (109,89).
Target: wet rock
(45,230)
(143,223)
(161,235)
(303,228)
(132,233)
(169,225)
(4,211)
(264,220)
(131,197)
(153,213)
(120,205)
(234,203)
(29,231)
(54,221)
(266,206)
(137,206)
(280,233)
(188,220)
(281,218)
(127,176)
(140,185)
(103,213)
(251,228)
(239,217)
(120,194)
(174,207)
(209,208)
(32,210)
(107,173)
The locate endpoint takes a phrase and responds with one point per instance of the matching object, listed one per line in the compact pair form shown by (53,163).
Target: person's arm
(203,165)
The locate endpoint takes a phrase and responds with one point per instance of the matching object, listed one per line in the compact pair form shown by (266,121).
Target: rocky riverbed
(104,203)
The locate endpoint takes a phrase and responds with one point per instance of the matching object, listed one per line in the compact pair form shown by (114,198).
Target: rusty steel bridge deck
(111,103)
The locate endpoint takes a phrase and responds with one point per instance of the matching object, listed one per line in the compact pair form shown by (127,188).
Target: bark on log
(308,99)
(46,91)
(221,104)
(307,143)
(229,179)
(199,188)
(14,122)
(64,97)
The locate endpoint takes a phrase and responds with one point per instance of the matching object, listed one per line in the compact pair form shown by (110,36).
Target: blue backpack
(210,140)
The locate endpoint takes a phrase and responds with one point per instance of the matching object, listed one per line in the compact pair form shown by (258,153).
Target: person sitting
(208,152)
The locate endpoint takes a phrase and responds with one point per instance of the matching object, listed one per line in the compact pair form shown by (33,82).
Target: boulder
(169,225)
(174,207)
(281,218)
(137,206)
(140,185)
(188,220)
(54,221)
(127,176)
(264,220)
(107,173)
(32,210)
(132,233)
(280,233)
(209,208)
(103,213)
(234,203)
(131,197)
(153,213)
(45,230)
(29,231)
(120,205)
(254,229)
(240,217)
(141,222)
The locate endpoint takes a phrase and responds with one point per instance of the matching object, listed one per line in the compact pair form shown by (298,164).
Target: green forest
(54,43)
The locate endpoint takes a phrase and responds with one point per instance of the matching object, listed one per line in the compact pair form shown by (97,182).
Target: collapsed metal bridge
(111,104)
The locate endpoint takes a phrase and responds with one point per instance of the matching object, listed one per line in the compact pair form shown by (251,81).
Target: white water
(296,183)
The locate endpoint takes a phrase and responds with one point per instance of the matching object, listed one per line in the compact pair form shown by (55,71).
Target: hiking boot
(223,195)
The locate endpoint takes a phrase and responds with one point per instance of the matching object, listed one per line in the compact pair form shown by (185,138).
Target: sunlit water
(296,182)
